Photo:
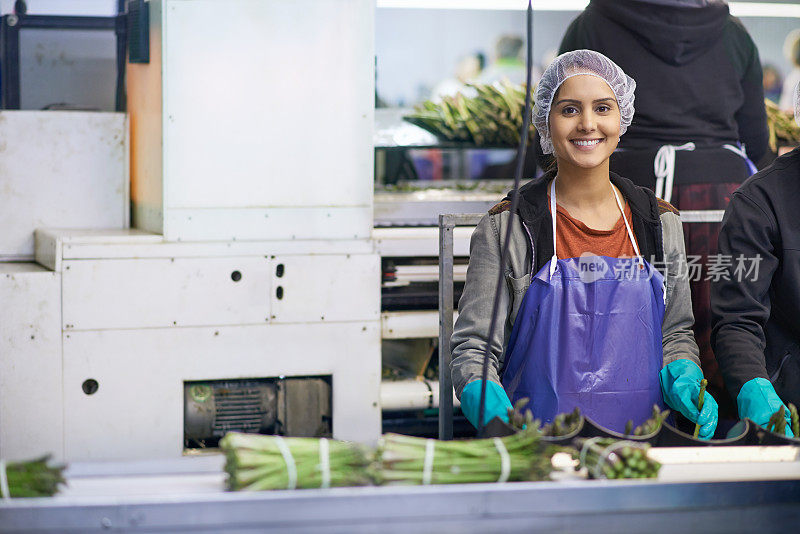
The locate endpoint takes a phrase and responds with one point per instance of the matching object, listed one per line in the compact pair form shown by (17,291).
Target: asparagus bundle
(258,462)
(781,126)
(33,478)
(404,460)
(795,421)
(650,426)
(563,424)
(482,115)
(610,458)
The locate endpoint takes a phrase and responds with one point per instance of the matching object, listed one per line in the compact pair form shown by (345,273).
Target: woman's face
(584,122)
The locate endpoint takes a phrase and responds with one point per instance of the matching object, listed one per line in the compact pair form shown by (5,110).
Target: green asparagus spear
(703,384)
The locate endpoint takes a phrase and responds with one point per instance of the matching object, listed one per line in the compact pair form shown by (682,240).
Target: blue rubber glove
(758,400)
(497,403)
(680,385)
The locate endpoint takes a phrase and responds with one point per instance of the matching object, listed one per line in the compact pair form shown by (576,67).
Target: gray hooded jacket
(659,234)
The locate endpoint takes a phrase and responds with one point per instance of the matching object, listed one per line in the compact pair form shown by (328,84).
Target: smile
(586,143)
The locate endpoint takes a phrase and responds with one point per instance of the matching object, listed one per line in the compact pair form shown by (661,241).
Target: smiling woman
(591,322)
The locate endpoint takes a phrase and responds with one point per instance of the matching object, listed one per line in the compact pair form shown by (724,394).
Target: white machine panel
(264,107)
(270,223)
(31,403)
(326,288)
(140,293)
(60,168)
(137,410)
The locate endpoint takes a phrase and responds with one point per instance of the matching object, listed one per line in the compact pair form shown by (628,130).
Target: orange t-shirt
(573,238)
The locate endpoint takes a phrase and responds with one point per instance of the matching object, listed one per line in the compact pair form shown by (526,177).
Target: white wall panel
(326,288)
(139,293)
(60,168)
(276,109)
(31,403)
(137,411)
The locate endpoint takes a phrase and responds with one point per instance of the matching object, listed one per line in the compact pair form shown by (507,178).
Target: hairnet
(576,63)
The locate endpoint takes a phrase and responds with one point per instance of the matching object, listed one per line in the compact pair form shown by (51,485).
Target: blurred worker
(772,83)
(585,320)
(467,70)
(755,303)
(508,64)
(699,106)
(791,51)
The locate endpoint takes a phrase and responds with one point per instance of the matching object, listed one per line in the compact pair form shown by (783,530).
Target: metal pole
(446,225)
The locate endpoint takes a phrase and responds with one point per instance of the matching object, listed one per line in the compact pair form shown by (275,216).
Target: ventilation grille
(237,410)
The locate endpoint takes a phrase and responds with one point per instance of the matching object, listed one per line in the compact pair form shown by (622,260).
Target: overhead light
(494,5)
(738,9)
(764,9)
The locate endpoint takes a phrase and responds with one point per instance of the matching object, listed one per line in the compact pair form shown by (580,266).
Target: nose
(588,122)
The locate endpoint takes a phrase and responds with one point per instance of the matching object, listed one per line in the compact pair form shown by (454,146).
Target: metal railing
(447,222)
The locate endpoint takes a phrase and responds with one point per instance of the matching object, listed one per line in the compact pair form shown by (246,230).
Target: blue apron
(588,334)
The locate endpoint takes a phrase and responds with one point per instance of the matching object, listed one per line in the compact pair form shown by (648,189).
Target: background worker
(699,106)
(756,305)
(791,51)
(507,63)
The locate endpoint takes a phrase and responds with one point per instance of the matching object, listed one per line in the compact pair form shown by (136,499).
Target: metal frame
(570,507)
(9,49)
(447,222)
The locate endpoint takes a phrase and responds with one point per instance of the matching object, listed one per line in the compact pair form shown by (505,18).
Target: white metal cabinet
(60,168)
(137,410)
(254,120)
(31,407)
(141,293)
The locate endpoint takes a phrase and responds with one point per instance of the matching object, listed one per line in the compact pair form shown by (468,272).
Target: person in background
(791,51)
(586,321)
(508,64)
(755,305)
(700,119)
(773,83)
(467,70)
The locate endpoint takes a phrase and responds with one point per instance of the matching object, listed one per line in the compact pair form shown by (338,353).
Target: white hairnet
(576,63)
(796,100)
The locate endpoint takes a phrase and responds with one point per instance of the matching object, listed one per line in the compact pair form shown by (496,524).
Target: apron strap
(628,227)
(664,169)
(740,151)
(553,208)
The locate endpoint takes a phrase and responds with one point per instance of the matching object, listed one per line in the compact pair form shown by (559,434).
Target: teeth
(586,143)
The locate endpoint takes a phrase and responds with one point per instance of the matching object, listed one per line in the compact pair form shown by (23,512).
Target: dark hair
(481,57)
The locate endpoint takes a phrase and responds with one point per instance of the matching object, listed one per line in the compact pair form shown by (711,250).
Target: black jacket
(697,72)
(756,323)
(645,208)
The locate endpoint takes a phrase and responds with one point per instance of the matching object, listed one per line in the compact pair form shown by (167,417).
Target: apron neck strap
(627,226)
(554,207)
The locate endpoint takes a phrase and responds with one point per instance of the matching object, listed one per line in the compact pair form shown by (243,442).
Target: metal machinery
(246,294)
(407,238)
